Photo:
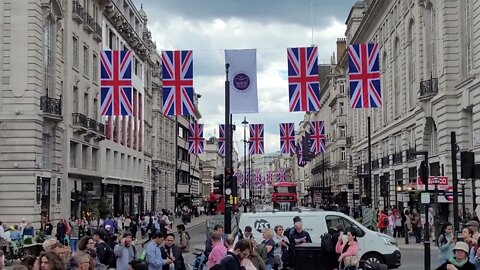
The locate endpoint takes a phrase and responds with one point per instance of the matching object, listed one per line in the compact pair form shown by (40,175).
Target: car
(374,246)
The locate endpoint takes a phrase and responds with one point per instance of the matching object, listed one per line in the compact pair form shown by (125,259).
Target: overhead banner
(243,80)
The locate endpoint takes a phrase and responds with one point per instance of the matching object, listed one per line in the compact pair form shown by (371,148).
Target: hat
(297,219)
(461,246)
(472,223)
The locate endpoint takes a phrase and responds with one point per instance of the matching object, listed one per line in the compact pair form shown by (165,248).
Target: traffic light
(231,185)
(383,186)
(423,173)
(467,165)
(218,184)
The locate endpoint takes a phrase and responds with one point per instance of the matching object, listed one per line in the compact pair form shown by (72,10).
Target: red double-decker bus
(284,196)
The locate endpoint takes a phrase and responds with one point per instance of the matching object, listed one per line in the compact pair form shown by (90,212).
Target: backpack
(385,221)
(143,256)
(262,251)
(327,244)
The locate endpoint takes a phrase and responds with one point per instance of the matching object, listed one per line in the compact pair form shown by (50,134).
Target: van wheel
(373,257)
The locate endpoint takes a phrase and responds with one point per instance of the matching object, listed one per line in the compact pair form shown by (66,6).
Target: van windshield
(338,222)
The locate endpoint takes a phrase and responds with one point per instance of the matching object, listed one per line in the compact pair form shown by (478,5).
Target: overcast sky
(208,27)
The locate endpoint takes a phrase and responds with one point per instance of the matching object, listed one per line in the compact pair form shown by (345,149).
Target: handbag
(350,261)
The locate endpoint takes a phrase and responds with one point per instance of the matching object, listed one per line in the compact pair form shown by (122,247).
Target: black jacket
(231,262)
(466,266)
(177,254)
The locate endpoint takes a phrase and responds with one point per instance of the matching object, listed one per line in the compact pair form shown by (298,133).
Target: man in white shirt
(2,231)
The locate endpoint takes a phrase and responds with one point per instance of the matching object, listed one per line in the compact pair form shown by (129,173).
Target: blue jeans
(73,243)
(268,266)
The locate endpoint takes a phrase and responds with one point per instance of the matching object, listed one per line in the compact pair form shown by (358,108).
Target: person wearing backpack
(125,252)
(184,238)
(382,222)
(104,253)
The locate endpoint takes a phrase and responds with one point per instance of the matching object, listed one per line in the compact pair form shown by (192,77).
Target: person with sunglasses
(281,247)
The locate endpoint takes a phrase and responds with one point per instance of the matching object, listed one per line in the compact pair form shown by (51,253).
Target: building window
(95,109)
(433,39)
(85,104)
(468,37)
(412,58)
(73,154)
(343,132)
(75,99)
(48,35)
(386,148)
(95,68)
(385,97)
(343,154)
(342,88)
(84,156)
(46,151)
(76,60)
(396,77)
(433,140)
(86,64)
(398,143)
(411,138)
(341,108)
(94,159)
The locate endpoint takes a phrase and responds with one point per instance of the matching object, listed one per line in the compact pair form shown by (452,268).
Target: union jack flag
(303,81)
(177,74)
(269,177)
(364,76)
(196,139)
(116,83)
(287,138)
(317,135)
(300,161)
(239,175)
(258,178)
(247,178)
(255,146)
(221,140)
(281,175)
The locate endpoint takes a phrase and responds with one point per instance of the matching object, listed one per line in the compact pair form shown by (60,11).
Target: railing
(89,24)
(359,169)
(98,32)
(375,164)
(397,158)
(51,105)
(92,125)
(79,120)
(349,140)
(78,13)
(385,162)
(410,154)
(101,128)
(429,87)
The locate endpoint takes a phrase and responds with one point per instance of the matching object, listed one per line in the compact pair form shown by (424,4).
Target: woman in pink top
(349,248)
(218,249)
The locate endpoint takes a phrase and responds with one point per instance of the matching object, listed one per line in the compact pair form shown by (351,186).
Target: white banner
(243,80)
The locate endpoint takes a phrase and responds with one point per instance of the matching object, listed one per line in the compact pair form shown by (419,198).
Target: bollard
(406,232)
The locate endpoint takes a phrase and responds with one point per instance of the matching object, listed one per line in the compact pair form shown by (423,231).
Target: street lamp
(245,123)
(435,182)
(463,182)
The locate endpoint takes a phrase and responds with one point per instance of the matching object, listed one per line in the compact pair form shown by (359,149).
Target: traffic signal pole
(453,145)
(228,154)
(425,176)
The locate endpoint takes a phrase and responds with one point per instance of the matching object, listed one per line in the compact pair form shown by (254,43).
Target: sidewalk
(195,222)
(415,246)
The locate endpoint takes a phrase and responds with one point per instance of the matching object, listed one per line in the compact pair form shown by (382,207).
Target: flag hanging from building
(116,83)
(243,80)
(177,71)
(300,161)
(303,80)
(256,145)
(196,139)
(281,175)
(240,178)
(364,76)
(221,140)
(269,177)
(258,178)
(287,138)
(317,135)
(247,179)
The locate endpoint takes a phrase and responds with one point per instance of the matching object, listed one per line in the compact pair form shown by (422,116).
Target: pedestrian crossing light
(218,184)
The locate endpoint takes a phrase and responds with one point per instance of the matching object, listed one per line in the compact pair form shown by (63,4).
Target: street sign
(425,197)
(448,193)
(442,183)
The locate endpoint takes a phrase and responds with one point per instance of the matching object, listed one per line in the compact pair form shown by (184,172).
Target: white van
(373,246)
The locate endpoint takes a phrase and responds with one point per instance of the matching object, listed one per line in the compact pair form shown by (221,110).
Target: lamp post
(435,182)
(463,182)
(245,123)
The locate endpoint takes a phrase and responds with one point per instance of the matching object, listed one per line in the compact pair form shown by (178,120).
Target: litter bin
(309,256)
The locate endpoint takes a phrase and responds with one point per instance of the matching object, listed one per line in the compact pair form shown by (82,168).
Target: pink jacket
(351,251)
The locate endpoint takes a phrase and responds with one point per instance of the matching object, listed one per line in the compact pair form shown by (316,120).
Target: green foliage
(98,208)
(27,241)
(40,237)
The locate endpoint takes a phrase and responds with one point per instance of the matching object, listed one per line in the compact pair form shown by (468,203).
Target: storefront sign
(59,190)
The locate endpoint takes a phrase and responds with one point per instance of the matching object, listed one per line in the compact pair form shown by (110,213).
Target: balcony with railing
(375,164)
(77,14)
(410,153)
(349,141)
(101,131)
(51,108)
(92,125)
(397,158)
(385,162)
(97,34)
(89,24)
(428,88)
(79,122)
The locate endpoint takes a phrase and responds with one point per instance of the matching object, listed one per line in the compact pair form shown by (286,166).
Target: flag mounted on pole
(196,139)
(240,180)
(300,161)
(258,178)
(116,83)
(317,135)
(303,80)
(177,71)
(364,76)
(256,145)
(287,138)
(269,177)
(281,175)
(221,140)
(243,80)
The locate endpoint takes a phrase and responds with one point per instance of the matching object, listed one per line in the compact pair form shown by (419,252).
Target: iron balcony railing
(397,158)
(101,128)
(51,105)
(78,13)
(410,154)
(429,87)
(98,31)
(385,162)
(92,125)
(375,164)
(79,120)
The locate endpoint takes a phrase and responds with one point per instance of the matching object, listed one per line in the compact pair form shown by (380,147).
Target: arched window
(396,77)
(48,67)
(412,70)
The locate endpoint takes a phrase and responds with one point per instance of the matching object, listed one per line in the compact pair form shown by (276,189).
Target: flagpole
(228,153)
(370,161)
(176,162)
(245,123)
